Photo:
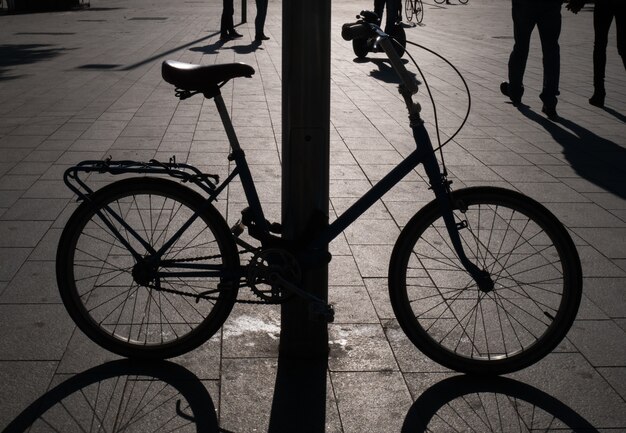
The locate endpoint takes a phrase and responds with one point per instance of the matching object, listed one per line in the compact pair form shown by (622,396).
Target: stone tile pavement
(86,84)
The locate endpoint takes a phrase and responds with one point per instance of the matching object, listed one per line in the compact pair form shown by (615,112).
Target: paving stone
(595,264)
(352,304)
(408,356)
(252,331)
(22,233)
(359,347)
(246,394)
(600,341)
(378,290)
(34,283)
(22,383)
(610,242)
(34,210)
(373,261)
(608,294)
(372,232)
(570,379)
(342,271)
(615,377)
(47,328)
(360,412)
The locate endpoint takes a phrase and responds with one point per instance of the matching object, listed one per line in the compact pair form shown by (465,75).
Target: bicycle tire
(409,9)
(101,286)
(399,35)
(360,48)
(419,11)
(439,1)
(537,282)
(463,1)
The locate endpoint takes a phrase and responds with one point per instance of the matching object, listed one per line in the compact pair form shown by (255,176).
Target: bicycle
(482,280)
(441,1)
(414,8)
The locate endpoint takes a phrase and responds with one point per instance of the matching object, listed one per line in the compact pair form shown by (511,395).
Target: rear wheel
(122,293)
(409,9)
(359,46)
(419,11)
(497,328)
(399,37)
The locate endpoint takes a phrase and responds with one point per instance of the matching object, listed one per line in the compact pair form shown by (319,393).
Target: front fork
(441,187)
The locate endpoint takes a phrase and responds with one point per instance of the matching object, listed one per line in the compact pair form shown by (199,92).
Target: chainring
(268,263)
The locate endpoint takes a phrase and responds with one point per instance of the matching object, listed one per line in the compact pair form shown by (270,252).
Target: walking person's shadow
(594,158)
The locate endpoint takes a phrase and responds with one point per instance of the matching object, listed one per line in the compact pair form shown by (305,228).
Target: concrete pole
(305,165)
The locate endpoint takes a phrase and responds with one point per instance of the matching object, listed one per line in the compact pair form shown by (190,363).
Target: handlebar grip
(351,31)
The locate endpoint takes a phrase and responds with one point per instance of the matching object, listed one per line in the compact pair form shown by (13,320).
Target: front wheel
(439,1)
(409,9)
(419,11)
(147,268)
(497,328)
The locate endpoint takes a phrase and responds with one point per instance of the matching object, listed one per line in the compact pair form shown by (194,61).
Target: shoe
(233,34)
(504,88)
(225,37)
(597,99)
(550,111)
(261,37)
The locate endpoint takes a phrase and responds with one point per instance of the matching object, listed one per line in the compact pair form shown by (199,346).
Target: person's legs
(523,24)
(259,21)
(620,24)
(549,26)
(379,6)
(392,15)
(227,28)
(602,17)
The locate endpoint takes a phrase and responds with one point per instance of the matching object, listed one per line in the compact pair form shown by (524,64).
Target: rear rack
(184,172)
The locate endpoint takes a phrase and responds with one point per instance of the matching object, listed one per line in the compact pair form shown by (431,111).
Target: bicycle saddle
(206,79)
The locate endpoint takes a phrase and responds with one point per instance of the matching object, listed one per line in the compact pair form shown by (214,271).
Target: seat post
(228,124)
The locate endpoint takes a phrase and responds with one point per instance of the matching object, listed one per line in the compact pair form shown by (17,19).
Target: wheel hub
(144,272)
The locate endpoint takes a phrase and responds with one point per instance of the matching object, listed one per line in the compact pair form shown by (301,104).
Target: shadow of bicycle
(498,404)
(123,396)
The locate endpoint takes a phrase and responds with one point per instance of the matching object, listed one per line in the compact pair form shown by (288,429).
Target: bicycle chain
(197,297)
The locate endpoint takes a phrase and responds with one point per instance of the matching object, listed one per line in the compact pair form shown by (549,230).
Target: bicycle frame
(424,154)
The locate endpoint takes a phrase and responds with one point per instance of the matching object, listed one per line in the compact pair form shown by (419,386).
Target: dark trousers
(603,14)
(546,16)
(261,13)
(393,12)
(227,17)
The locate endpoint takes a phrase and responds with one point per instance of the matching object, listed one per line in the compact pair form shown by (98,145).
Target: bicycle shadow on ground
(120,396)
(495,404)
(592,157)
(385,72)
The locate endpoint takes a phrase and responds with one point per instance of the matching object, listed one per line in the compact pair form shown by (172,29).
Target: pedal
(321,312)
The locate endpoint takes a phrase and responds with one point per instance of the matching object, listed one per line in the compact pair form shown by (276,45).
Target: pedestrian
(603,14)
(227,28)
(259,21)
(546,16)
